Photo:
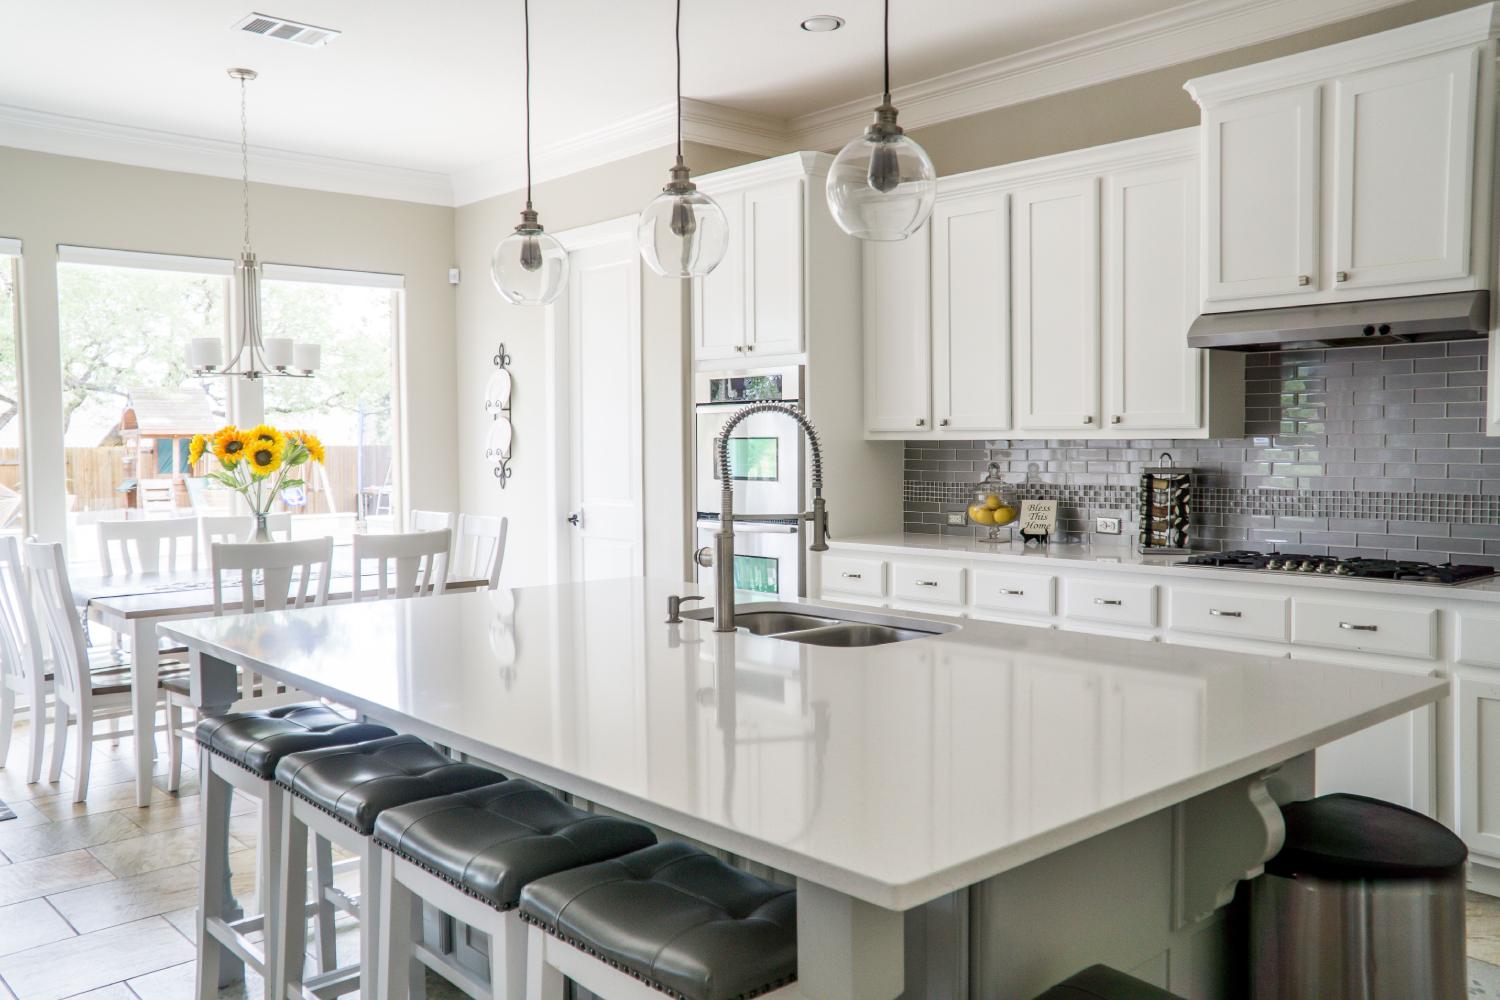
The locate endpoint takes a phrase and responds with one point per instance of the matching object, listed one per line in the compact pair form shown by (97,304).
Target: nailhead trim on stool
(691,912)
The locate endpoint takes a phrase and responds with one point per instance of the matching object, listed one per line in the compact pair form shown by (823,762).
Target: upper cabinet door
(720,305)
(1056,296)
(1404,155)
(773,230)
(971,314)
(1261,173)
(898,335)
(1152,379)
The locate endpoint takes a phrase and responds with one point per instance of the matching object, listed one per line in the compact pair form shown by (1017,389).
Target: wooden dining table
(134,604)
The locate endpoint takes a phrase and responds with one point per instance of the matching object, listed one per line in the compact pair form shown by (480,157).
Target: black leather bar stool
(470,855)
(337,793)
(670,916)
(1099,982)
(239,753)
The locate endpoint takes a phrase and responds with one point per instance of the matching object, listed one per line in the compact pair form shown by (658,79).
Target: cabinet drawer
(1020,593)
(1229,614)
(849,575)
(927,583)
(1479,640)
(1111,601)
(1366,627)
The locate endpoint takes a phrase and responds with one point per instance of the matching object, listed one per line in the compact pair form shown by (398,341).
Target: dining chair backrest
(431,520)
(292,574)
(140,544)
(158,496)
(480,550)
(53,594)
(409,565)
(20,641)
(217,528)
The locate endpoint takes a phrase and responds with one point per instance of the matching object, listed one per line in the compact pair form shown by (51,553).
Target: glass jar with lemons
(993,505)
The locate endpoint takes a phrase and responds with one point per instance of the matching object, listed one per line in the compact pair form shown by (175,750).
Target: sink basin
(814,625)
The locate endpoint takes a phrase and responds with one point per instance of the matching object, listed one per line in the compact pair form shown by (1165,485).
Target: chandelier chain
(887,51)
(245,161)
(526,21)
(677,42)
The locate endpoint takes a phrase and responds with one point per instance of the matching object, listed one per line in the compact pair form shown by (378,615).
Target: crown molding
(65,135)
(711,124)
(1192,31)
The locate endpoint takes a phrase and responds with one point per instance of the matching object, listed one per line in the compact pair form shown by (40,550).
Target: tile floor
(96,900)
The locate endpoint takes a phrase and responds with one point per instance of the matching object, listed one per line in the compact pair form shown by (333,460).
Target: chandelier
(255,356)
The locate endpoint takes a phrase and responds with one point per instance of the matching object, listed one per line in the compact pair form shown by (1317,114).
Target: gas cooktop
(1360,568)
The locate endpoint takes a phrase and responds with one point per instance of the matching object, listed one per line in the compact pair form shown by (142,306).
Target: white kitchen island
(978,813)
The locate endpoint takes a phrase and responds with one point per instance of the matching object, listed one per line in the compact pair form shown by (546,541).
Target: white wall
(48,200)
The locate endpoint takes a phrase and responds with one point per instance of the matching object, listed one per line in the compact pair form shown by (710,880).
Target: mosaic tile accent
(1373,451)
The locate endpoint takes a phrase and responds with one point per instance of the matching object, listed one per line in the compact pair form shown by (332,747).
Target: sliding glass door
(12,508)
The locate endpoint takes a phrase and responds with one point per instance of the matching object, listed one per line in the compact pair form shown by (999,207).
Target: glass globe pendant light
(529,267)
(683,232)
(882,185)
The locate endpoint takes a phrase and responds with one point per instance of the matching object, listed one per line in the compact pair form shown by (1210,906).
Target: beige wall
(597,195)
(48,200)
(1125,109)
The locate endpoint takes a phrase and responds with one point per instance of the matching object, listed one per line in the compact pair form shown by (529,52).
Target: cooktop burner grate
(1449,574)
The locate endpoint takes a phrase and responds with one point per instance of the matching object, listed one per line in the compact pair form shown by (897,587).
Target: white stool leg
(328,956)
(369,910)
(216,966)
(396,927)
(508,958)
(286,941)
(543,981)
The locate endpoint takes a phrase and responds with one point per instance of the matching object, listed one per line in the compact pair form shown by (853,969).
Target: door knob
(575,518)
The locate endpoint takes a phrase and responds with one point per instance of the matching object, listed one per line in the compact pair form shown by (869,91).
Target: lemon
(1003,514)
(980,514)
(992,501)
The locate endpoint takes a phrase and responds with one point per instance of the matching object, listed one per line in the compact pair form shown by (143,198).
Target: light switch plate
(1107,525)
(956,519)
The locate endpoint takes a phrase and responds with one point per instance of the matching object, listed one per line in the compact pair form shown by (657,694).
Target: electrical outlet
(956,519)
(1107,525)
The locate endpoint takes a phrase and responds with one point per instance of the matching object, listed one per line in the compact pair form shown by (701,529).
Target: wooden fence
(96,474)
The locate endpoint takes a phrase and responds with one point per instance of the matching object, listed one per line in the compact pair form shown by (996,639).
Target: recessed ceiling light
(823,22)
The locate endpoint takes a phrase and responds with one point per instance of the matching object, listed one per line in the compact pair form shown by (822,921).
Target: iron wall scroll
(498,443)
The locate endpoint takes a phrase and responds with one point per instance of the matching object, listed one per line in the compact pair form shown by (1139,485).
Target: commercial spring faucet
(723,554)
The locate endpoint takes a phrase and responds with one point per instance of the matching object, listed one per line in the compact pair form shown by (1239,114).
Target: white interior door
(604,515)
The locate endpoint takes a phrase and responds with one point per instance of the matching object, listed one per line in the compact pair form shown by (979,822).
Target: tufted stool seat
(470,855)
(1099,982)
(257,741)
(354,784)
(673,917)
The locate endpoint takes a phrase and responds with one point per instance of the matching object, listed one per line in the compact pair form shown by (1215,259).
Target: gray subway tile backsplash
(1348,451)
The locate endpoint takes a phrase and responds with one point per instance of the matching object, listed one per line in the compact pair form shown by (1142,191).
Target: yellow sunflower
(229,446)
(264,455)
(265,432)
(196,448)
(311,443)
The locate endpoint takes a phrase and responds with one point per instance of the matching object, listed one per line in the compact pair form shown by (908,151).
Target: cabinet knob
(921,422)
(1116,419)
(1341,276)
(1088,420)
(944,422)
(1304,280)
(749,347)
(739,348)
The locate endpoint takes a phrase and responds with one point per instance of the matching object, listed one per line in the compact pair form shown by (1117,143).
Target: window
(129,404)
(12,512)
(350,405)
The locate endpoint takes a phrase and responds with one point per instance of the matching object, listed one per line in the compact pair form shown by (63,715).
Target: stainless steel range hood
(1453,316)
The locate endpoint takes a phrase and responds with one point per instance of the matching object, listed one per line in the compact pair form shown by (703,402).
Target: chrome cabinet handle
(739,348)
(1341,276)
(1350,627)
(1216,613)
(1108,601)
(853,576)
(1116,419)
(749,347)
(921,421)
(1088,420)
(927,583)
(944,422)
(1304,280)
(1012,593)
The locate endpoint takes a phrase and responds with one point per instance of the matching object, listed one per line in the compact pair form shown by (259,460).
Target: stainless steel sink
(825,626)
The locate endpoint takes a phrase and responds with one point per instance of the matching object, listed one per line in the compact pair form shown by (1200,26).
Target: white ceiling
(436,86)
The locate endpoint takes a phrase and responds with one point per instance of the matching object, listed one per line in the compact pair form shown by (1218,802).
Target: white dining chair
(288,575)
(137,546)
(410,565)
(80,693)
(20,675)
(431,520)
(479,552)
(215,529)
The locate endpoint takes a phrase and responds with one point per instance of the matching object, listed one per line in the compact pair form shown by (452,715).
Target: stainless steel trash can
(1364,902)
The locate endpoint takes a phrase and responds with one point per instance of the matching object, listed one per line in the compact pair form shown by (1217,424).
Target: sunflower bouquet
(259,463)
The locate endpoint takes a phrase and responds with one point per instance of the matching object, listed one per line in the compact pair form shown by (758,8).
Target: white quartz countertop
(894,773)
(1115,557)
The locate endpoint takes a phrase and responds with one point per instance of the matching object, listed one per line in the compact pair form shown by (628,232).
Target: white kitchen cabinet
(1478,697)
(971,313)
(1366,627)
(752,305)
(1055,290)
(1260,171)
(897,335)
(1403,171)
(1150,298)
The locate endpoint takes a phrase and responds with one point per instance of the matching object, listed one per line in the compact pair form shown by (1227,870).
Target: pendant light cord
(887,51)
(245,162)
(526,21)
(677,41)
